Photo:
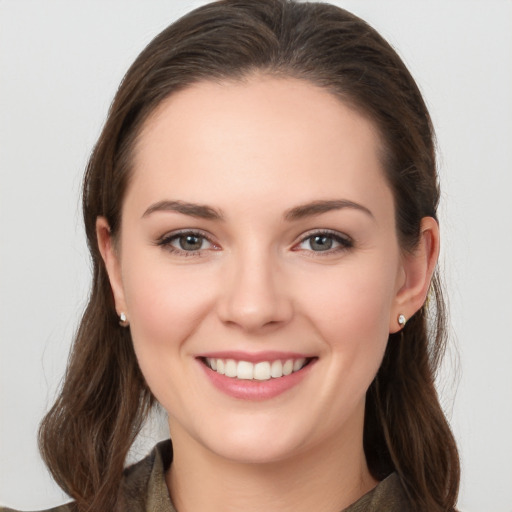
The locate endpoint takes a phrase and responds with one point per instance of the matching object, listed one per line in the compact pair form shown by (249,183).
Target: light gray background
(60,63)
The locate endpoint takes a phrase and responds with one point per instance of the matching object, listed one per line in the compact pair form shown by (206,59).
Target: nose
(254,295)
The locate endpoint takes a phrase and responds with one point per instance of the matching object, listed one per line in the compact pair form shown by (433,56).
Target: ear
(418,268)
(111,259)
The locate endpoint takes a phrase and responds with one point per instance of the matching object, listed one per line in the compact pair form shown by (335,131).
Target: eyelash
(345,242)
(166,242)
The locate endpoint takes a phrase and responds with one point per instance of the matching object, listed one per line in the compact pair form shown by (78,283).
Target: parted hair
(104,400)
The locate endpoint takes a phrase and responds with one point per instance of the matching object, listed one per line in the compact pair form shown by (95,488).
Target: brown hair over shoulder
(104,400)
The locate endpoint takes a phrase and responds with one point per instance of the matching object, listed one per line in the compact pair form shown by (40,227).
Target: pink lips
(256,390)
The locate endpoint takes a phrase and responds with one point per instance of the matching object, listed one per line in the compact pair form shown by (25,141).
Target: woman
(261,212)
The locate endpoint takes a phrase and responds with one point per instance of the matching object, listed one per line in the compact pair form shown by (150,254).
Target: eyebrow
(298,212)
(192,209)
(319,207)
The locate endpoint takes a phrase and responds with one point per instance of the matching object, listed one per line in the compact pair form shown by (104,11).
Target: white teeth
(264,370)
(230,368)
(245,370)
(276,369)
(298,364)
(288,367)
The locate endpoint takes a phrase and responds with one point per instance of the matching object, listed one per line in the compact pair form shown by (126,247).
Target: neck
(202,480)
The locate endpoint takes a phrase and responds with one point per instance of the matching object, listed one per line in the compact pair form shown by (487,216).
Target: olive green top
(143,489)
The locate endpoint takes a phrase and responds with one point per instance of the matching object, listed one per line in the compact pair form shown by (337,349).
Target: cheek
(349,308)
(351,305)
(165,303)
(350,313)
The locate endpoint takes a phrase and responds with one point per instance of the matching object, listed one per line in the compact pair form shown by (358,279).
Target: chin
(250,445)
(259,452)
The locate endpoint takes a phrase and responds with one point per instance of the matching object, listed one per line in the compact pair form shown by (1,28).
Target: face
(258,266)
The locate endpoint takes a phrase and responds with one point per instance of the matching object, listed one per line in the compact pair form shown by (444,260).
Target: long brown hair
(104,399)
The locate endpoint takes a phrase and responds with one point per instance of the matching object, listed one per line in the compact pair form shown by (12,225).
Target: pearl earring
(123,320)
(401,320)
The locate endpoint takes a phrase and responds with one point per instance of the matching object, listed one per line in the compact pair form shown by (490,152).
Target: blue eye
(325,241)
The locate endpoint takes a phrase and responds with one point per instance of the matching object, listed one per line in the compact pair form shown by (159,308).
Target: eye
(186,242)
(190,242)
(325,241)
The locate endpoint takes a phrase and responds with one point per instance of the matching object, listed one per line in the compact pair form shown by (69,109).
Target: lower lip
(255,389)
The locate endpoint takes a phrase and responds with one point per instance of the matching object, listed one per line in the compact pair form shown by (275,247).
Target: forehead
(260,135)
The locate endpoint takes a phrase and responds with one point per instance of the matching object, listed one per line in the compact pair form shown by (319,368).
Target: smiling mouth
(261,371)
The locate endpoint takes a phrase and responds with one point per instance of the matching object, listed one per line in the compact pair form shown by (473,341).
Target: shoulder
(142,483)
(388,496)
(143,486)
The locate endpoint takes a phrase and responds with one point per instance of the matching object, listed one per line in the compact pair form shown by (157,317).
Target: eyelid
(165,241)
(345,241)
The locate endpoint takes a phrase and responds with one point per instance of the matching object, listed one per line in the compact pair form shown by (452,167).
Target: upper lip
(254,357)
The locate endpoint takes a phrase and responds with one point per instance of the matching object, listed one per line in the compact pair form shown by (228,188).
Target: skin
(253,151)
